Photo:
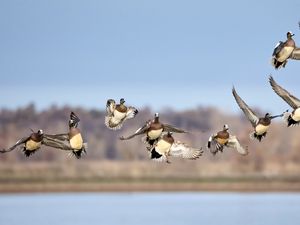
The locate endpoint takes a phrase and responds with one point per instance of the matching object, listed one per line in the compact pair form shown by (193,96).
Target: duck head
(225,127)
(122,101)
(289,35)
(156,118)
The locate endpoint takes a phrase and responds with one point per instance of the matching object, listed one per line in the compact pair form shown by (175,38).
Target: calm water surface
(150,209)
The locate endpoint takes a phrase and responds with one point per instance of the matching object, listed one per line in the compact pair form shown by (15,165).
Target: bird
(285,50)
(260,125)
(153,129)
(117,114)
(167,146)
(224,139)
(291,118)
(72,140)
(30,143)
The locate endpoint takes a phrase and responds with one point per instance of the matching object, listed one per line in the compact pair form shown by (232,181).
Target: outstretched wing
(110,106)
(60,137)
(295,54)
(74,120)
(233,142)
(245,108)
(131,113)
(212,145)
(179,149)
(54,143)
(170,128)
(284,94)
(141,130)
(19,142)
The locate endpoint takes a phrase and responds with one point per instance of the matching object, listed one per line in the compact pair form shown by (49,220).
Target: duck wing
(110,107)
(141,130)
(233,142)
(279,46)
(55,137)
(245,108)
(284,94)
(170,128)
(179,149)
(131,113)
(295,54)
(19,142)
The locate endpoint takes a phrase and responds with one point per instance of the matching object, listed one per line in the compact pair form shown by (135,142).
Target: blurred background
(178,58)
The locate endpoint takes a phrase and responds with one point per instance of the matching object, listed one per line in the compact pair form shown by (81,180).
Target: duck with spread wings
(291,118)
(260,125)
(153,129)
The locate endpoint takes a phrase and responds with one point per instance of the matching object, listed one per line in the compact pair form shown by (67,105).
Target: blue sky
(178,54)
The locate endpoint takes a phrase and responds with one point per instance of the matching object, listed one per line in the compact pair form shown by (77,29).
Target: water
(150,209)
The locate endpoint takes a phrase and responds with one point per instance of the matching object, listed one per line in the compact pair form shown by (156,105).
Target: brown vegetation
(275,159)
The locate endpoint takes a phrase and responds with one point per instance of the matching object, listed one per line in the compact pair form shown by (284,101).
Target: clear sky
(178,54)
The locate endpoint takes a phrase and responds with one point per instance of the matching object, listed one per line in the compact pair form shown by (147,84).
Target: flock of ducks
(157,135)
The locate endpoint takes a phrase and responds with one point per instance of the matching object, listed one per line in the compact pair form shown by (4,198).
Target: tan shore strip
(146,186)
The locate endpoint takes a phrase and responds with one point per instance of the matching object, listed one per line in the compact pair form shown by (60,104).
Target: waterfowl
(292,118)
(74,141)
(31,143)
(153,129)
(166,146)
(285,50)
(118,113)
(260,125)
(224,139)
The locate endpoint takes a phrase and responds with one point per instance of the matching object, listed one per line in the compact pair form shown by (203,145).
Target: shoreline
(146,186)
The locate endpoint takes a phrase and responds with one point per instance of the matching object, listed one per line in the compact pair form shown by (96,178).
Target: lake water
(150,209)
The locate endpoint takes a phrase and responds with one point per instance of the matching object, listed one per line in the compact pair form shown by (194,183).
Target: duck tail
(28,153)
(277,65)
(287,116)
(254,135)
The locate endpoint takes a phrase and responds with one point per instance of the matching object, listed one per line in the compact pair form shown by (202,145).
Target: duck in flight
(30,144)
(291,118)
(260,125)
(166,146)
(284,51)
(117,114)
(218,141)
(152,130)
(71,141)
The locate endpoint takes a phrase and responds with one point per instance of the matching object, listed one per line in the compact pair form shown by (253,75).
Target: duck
(223,139)
(285,50)
(260,125)
(166,146)
(30,144)
(291,118)
(152,130)
(71,141)
(117,114)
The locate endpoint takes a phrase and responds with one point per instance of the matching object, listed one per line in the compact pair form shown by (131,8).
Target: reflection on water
(150,208)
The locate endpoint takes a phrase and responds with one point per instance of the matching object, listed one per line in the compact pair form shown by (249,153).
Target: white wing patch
(233,142)
(179,149)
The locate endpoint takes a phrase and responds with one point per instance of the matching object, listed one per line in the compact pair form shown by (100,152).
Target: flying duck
(166,146)
(285,50)
(117,114)
(260,125)
(223,138)
(73,137)
(31,143)
(292,118)
(153,129)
